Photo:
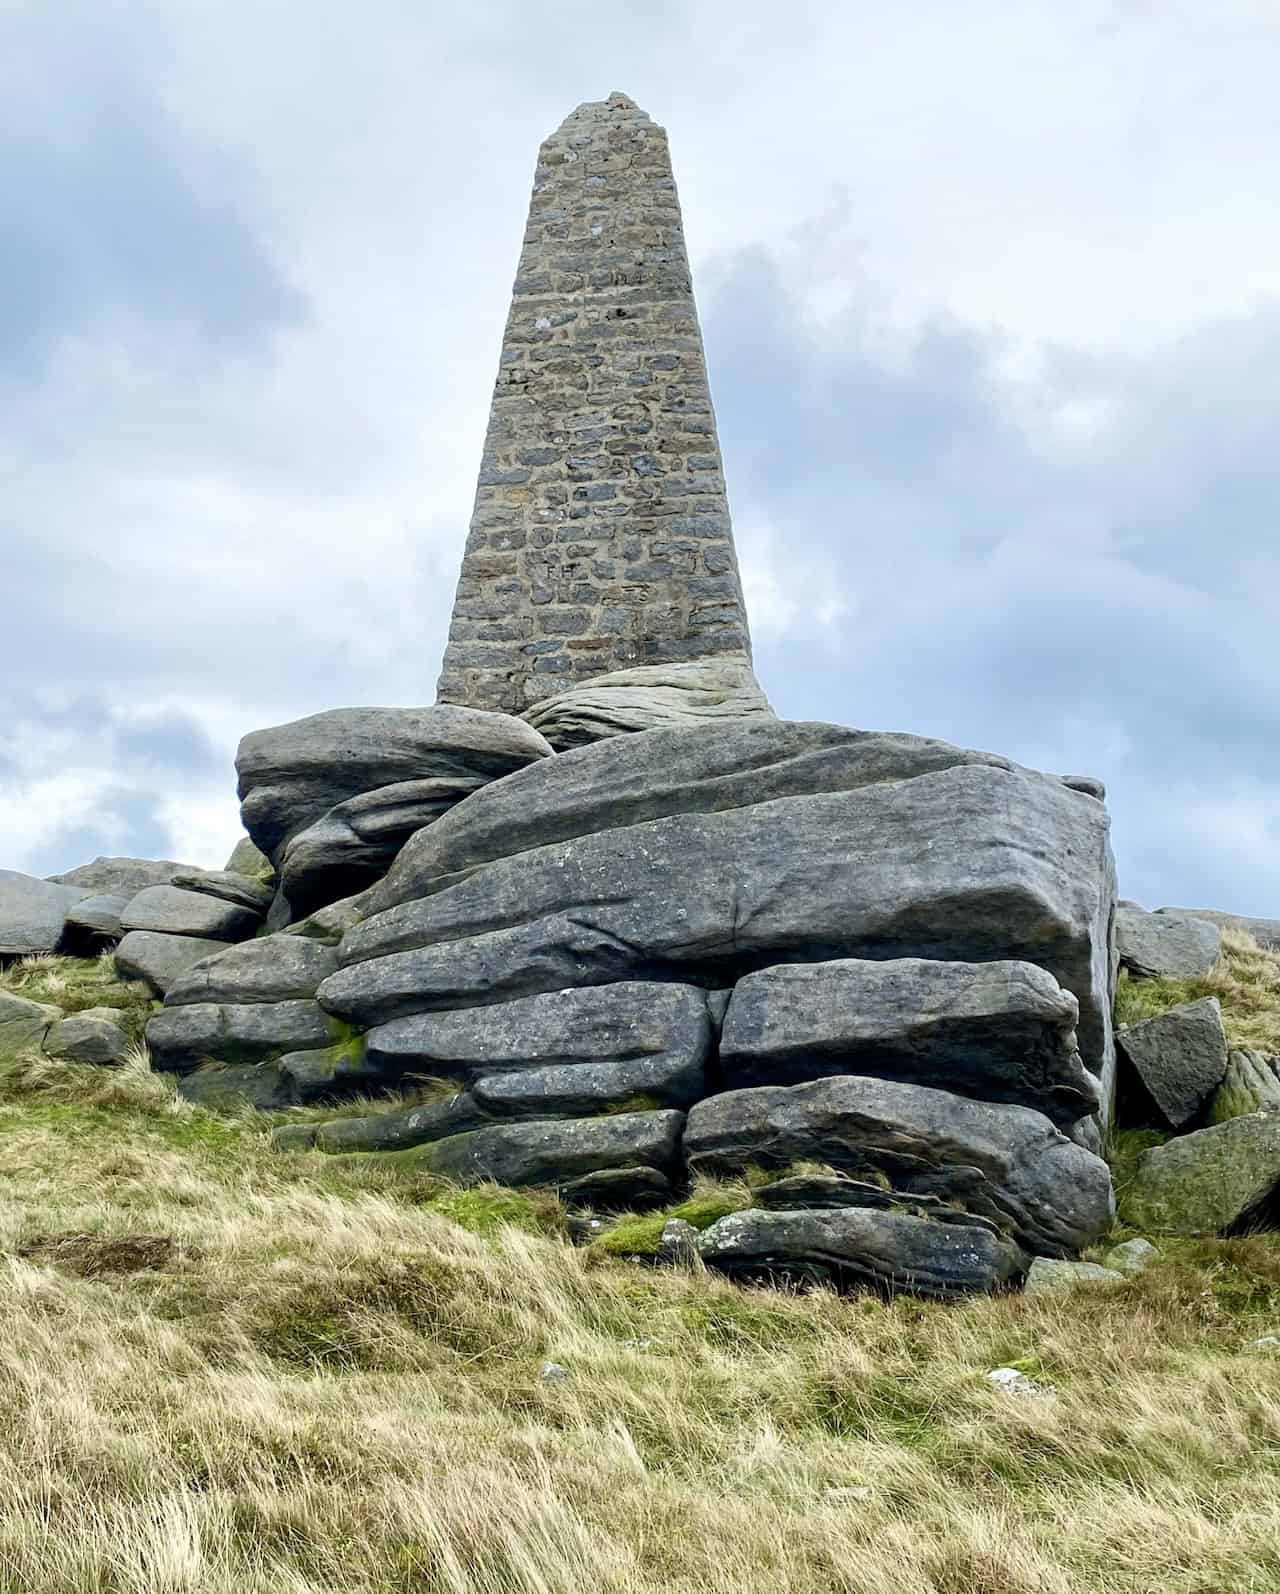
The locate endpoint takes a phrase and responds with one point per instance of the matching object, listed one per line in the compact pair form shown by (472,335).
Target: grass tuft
(1246,981)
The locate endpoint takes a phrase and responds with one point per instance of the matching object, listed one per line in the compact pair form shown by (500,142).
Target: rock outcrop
(1180,1057)
(1167,944)
(1213,1181)
(649,697)
(33,912)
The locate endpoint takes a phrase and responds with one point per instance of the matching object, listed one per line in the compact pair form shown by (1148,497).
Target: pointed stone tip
(617,104)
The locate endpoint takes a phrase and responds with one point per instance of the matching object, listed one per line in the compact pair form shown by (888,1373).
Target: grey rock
(170,911)
(859,1247)
(553,1373)
(33,912)
(1050,1274)
(330,1073)
(399,1130)
(94,920)
(354,844)
(825,1192)
(273,968)
(1131,1257)
(229,1087)
(997,1031)
(1011,1381)
(1250,1084)
(1005,1163)
(1180,1056)
(678,1246)
(1090,785)
(246,859)
(972,862)
(1267,1345)
(292,774)
(649,697)
(294,1137)
(86,1038)
(23,1023)
(227,886)
(329,924)
(123,877)
(630,780)
(553,1152)
(619,1190)
(160,960)
(1266,932)
(1212,1181)
(624,1027)
(182,1038)
(1165,945)
(579,1090)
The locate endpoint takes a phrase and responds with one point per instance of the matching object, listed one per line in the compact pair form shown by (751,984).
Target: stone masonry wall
(601,536)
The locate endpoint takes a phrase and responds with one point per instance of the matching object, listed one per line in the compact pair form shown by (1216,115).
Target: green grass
(74,984)
(1246,981)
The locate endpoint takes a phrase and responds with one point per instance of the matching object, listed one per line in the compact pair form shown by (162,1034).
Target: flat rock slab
(23,1023)
(273,968)
(650,697)
(1265,931)
(860,1248)
(292,774)
(1005,1163)
(85,1038)
(1180,1056)
(971,863)
(1049,1275)
(1208,1182)
(400,1130)
(627,1023)
(553,1152)
(354,844)
(619,1190)
(33,912)
(123,877)
(172,911)
(1165,945)
(227,886)
(182,1038)
(96,919)
(578,1090)
(997,1031)
(246,859)
(159,960)
(230,1087)
(631,780)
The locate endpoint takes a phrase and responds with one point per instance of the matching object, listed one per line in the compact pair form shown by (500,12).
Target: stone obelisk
(600,538)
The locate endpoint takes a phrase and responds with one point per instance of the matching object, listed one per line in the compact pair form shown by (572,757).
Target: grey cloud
(126,823)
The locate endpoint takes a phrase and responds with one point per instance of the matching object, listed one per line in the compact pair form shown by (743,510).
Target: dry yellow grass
(225,1371)
(1245,979)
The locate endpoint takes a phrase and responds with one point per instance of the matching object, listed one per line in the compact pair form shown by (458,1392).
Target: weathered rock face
(182,1038)
(171,911)
(1250,1084)
(1265,931)
(24,1024)
(891,1251)
(1005,1163)
(996,1031)
(124,877)
(644,699)
(33,912)
(632,779)
(971,862)
(94,923)
(1210,1181)
(306,774)
(159,960)
(1170,945)
(1180,1056)
(274,968)
(227,886)
(600,537)
(93,1037)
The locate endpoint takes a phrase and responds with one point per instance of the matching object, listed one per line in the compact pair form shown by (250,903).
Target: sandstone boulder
(159,960)
(997,1031)
(1050,1275)
(1001,1162)
(860,1247)
(123,877)
(272,968)
(1180,1056)
(650,696)
(1265,931)
(94,922)
(23,1023)
(230,1087)
(1249,1085)
(628,1038)
(227,886)
(975,863)
(1209,1182)
(553,1152)
(1165,945)
(182,1038)
(246,859)
(171,911)
(33,912)
(292,774)
(399,1130)
(93,1037)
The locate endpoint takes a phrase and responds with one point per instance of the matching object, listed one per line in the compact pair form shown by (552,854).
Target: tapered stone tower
(601,537)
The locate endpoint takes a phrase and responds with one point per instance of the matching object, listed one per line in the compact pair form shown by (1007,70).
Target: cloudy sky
(991,296)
